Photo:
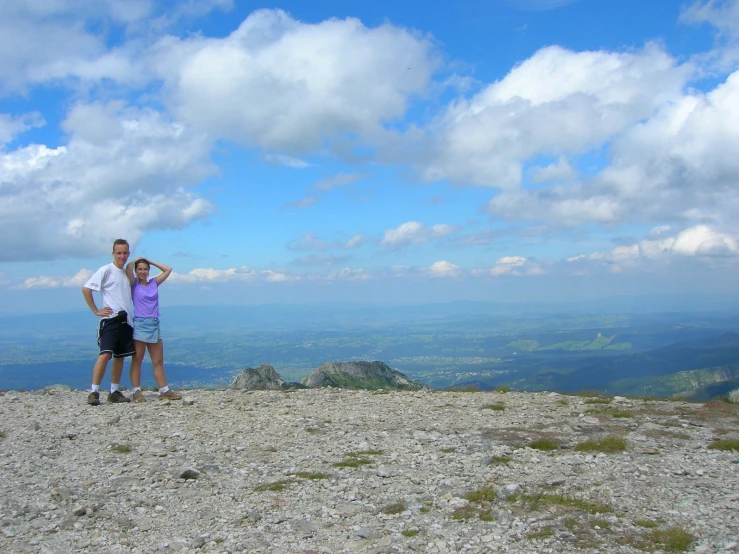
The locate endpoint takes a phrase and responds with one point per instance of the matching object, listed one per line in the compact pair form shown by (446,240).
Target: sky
(342,151)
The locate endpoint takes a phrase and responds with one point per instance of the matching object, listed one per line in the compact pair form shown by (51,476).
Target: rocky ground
(335,471)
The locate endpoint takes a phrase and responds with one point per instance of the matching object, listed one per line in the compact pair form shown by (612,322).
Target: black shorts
(115,338)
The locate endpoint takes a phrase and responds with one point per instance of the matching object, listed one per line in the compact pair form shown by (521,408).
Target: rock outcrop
(360,375)
(263,377)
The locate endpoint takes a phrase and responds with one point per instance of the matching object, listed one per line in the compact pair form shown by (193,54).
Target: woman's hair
(141,261)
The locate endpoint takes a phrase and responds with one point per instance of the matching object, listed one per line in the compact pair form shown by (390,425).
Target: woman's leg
(156,353)
(138,357)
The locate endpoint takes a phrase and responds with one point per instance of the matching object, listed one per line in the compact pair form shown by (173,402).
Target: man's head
(120,252)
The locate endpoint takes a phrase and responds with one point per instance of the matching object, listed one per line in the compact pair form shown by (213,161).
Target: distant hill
(359,375)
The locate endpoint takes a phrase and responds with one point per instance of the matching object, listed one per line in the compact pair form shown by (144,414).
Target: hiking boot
(117,397)
(138,396)
(169,395)
(93,399)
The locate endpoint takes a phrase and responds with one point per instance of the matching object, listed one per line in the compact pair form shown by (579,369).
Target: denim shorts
(146,329)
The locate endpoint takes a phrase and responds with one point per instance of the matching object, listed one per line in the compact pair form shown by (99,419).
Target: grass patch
(541,534)
(724,444)
(600,523)
(448,450)
(538,501)
(646,523)
(466,388)
(121,448)
(365,453)
(353,462)
(311,476)
(358,458)
(598,401)
(395,508)
(673,539)
(622,414)
(2,434)
(485,494)
(500,460)
(275,486)
(465,512)
(502,389)
(608,445)
(562,402)
(544,445)
(408,533)
(499,407)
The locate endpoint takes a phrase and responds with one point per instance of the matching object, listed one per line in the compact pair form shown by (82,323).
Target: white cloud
(306,202)
(77,280)
(288,161)
(722,14)
(11,126)
(282,84)
(309,241)
(347,274)
(558,171)
(511,265)
(699,241)
(357,240)
(210,275)
(339,180)
(556,102)
(122,173)
(444,269)
(413,232)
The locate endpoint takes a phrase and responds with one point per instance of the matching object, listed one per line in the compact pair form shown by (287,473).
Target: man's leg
(116,370)
(98,370)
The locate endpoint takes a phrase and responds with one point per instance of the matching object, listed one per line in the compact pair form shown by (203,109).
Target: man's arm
(87,293)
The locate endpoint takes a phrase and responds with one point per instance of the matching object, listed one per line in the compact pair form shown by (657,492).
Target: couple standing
(129,324)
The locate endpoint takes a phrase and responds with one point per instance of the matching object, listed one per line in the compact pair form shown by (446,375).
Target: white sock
(136,389)
(164,389)
(95,388)
(114,387)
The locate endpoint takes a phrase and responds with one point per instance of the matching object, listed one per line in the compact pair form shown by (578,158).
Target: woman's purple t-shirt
(145,299)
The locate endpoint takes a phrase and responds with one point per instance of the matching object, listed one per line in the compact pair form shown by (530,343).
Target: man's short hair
(118,242)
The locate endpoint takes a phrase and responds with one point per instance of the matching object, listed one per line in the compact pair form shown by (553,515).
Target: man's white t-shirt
(113,284)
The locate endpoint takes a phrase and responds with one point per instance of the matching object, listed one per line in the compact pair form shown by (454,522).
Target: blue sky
(370,151)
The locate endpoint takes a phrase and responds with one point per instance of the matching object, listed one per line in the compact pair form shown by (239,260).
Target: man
(115,330)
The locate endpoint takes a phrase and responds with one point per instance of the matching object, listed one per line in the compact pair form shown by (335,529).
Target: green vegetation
(622,414)
(121,448)
(724,444)
(275,486)
(448,450)
(311,476)
(541,533)
(598,401)
(395,508)
(479,496)
(502,389)
(499,407)
(409,532)
(2,434)
(500,460)
(608,445)
(539,501)
(359,458)
(646,523)
(523,345)
(673,539)
(544,444)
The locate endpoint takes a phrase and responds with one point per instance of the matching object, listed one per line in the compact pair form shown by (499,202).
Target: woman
(145,294)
